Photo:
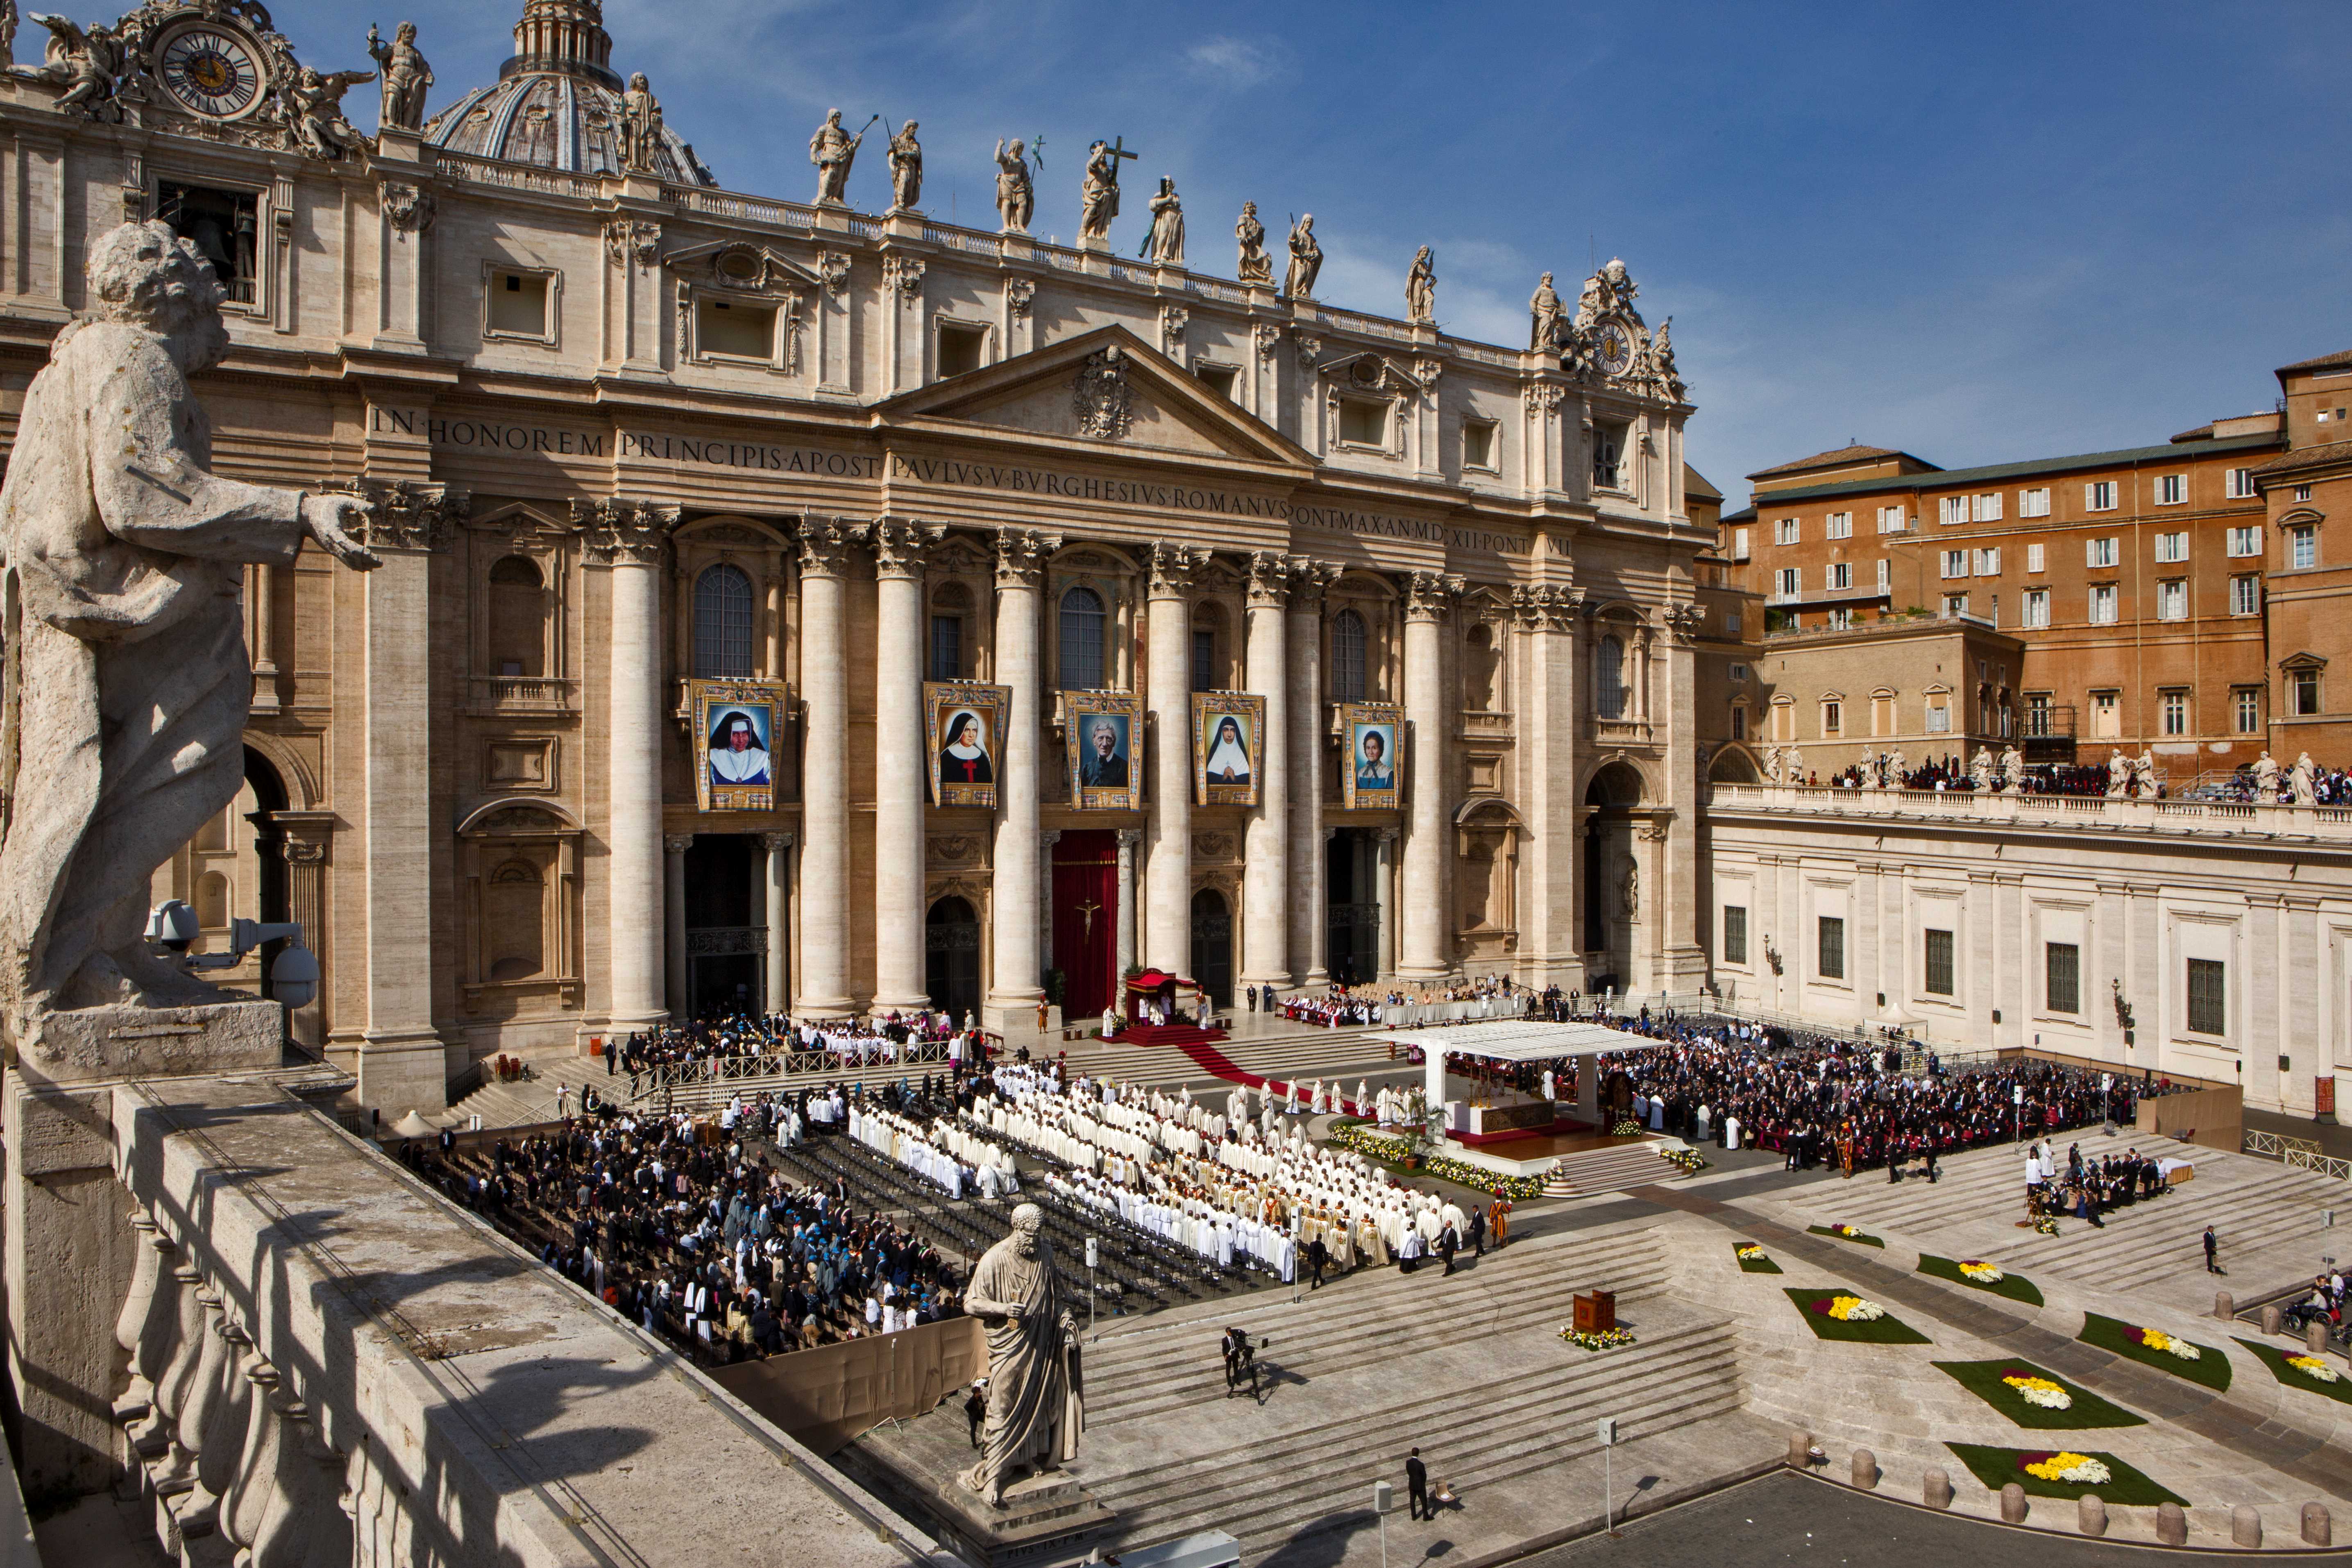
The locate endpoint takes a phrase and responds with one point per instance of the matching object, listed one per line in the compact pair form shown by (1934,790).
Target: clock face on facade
(211,70)
(1615,350)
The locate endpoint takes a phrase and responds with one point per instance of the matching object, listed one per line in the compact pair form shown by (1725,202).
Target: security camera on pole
(293,977)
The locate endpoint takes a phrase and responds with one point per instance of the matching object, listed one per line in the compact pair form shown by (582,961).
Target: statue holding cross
(1099,197)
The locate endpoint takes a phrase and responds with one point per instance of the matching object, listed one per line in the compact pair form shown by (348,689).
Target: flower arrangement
(1849,1308)
(1683,1159)
(2312,1366)
(1748,1252)
(2158,1340)
(2044,1225)
(2039,1391)
(2075,1469)
(1979,1272)
(1628,1128)
(1393,1150)
(1606,1339)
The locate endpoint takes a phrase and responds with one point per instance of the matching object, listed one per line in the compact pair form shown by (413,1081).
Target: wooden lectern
(1596,1311)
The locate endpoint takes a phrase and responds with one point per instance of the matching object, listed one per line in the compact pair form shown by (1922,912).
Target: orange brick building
(2133,579)
(2310,589)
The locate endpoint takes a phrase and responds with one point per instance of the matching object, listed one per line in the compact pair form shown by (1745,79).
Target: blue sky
(1980,233)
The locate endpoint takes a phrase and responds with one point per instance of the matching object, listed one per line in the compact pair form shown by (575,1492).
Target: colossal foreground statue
(1035,1397)
(123,706)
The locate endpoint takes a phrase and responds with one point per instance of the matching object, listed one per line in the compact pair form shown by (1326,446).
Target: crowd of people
(890,1040)
(672,1221)
(2088,1189)
(1404,1007)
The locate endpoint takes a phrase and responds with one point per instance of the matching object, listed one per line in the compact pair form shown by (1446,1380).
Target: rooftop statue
(1016,197)
(1249,239)
(406,78)
(1306,260)
(128,677)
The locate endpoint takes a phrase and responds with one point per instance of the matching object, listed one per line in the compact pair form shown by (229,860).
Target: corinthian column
(1168,869)
(1014,992)
(898,978)
(825,546)
(629,537)
(1428,600)
(1266,871)
(1310,919)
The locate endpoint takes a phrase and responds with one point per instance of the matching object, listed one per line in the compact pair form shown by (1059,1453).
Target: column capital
(1130,838)
(900,546)
(1050,836)
(1430,595)
(676,842)
(1684,620)
(826,543)
(1171,567)
(1542,608)
(1384,835)
(1021,554)
(1309,580)
(402,515)
(624,532)
(1269,580)
(772,842)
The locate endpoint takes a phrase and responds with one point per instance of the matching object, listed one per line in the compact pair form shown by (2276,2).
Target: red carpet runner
(1212,1061)
(1166,1035)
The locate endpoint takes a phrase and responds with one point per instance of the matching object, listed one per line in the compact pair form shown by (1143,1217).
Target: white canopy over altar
(1519,1040)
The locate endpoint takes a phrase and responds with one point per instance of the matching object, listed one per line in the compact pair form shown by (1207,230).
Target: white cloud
(1238,62)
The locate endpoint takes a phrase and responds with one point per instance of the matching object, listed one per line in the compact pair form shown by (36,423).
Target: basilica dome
(557,103)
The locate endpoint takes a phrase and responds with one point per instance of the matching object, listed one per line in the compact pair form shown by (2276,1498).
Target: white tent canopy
(1519,1040)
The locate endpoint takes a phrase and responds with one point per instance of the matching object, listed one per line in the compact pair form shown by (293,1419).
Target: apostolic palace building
(756,574)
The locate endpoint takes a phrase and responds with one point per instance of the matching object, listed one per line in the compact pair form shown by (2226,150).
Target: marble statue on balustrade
(1981,769)
(905,169)
(641,119)
(1016,195)
(1036,1399)
(1867,768)
(834,151)
(1795,762)
(2266,778)
(2305,780)
(1897,767)
(1421,288)
(2120,774)
(1098,193)
(1772,764)
(128,675)
(7,33)
(1306,260)
(86,64)
(314,102)
(1544,313)
(2150,787)
(2012,769)
(1165,244)
(1255,266)
(406,76)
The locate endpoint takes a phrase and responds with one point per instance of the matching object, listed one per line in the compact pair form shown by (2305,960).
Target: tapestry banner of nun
(963,722)
(1227,728)
(735,723)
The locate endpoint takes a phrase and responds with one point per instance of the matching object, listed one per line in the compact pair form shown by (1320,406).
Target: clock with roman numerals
(211,70)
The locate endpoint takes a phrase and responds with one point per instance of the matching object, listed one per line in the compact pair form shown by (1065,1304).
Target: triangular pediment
(1104,388)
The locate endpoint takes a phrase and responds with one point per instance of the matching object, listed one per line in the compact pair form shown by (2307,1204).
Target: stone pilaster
(779,869)
(1384,893)
(673,970)
(1168,869)
(1427,948)
(1128,838)
(1014,991)
(825,547)
(1310,919)
(898,751)
(1546,701)
(627,537)
(1266,871)
(1671,687)
(400,1061)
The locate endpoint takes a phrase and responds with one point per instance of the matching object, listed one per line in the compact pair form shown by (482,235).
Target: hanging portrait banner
(1371,774)
(963,723)
(1106,748)
(736,724)
(1227,727)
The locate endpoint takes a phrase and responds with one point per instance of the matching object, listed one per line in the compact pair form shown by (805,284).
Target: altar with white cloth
(1517,1040)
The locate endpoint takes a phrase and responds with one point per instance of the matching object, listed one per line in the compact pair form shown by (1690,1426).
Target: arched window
(723,624)
(518,618)
(1612,675)
(1347,657)
(1081,640)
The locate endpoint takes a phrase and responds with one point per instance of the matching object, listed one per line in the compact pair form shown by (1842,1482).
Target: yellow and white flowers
(2039,1391)
(1750,1253)
(2075,1469)
(1977,1272)
(2158,1340)
(1851,1310)
(2312,1366)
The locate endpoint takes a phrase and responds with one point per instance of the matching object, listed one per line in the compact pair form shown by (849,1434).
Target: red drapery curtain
(1085,920)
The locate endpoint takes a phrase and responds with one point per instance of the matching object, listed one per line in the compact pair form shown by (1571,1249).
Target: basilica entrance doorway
(1351,909)
(1212,945)
(725,936)
(1085,920)
(951,957)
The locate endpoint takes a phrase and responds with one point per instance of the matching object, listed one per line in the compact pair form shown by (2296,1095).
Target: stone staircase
(1606,1171)
(532,1100)
(1354,1336)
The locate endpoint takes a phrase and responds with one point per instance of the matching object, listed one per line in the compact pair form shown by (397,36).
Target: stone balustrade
(309,1358)
(2059,813)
